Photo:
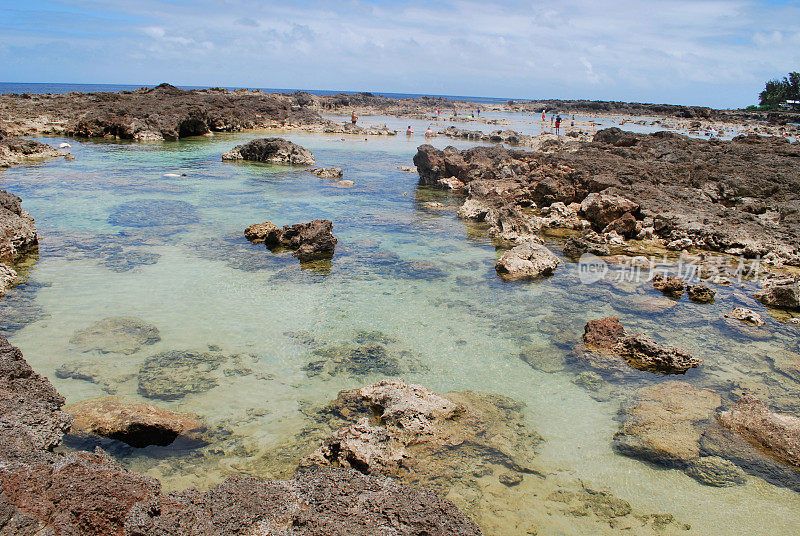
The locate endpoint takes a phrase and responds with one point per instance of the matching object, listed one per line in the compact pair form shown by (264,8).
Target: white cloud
(695,51)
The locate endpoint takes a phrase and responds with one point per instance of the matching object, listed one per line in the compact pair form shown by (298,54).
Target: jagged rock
(643,353)
(663,423)
(701,293)
(776,433)
(312,240)
(332,173)
(625,226)
(574,246)
(47,492)
(15,151)
(607,348)
(175,374)
(669,284)
(604,332)
(134,423)
(266,232)
(272,151)
(117,334)
(17,230)
(780,296)
(526,261)
(603,209)
(416,435)
(7,277)
(616,137)
(746,315)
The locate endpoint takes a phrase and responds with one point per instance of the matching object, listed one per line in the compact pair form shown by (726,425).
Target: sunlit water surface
(404,267)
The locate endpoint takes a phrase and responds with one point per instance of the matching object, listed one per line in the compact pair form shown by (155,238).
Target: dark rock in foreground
(17,230)
(44,492)
(271,151)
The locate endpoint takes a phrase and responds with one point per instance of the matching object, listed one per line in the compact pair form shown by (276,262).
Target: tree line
(778,91)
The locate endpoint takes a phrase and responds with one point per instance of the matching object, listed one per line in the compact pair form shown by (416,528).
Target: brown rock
(701,293)
(776,433)
(603,209)
(271,151)
(663,423)
(136,424)
(603,333)
(669,284)
(526,261)
(643,353)
(266,232)
(312,240)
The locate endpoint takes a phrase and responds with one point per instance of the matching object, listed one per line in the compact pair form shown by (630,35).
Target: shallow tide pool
(119,238)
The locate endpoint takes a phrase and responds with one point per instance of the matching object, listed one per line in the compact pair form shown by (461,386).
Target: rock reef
(45,492)
(271,151)
(739,197)
(309,241)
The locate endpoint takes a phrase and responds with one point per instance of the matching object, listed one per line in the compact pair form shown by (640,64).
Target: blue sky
(706,52)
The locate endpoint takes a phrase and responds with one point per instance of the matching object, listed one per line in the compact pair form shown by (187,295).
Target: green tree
(778,91)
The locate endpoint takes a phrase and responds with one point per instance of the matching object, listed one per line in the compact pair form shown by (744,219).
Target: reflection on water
(252,341)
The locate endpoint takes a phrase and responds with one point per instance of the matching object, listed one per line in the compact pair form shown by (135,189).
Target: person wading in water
(353,117)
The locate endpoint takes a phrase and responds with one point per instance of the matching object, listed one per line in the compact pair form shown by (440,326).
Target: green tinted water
(405,267)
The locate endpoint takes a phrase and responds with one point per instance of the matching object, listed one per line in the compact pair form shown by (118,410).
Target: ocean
(25,87)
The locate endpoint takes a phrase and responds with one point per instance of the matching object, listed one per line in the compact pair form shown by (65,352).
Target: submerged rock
(117,334)
(154,213)
(332,173)
(356,360)
(604,332)
(747,316)
(716,471)
(414,434)
(272,151)
(663,423)
(776,433)
(526,261)
(92,372)
(175,374)
(134,423)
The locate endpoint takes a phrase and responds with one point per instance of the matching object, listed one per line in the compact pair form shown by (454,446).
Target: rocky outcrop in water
(776,433)
(134,423)
(151,114)
(509,137)
(526,261)
(310,241)
(419,436)
(737,197)
(44,492)
(781,293)
(271,151)
(332,173)
(608,349)
(15,150)
(17,230)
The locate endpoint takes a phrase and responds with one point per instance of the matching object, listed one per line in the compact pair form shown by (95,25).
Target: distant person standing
(479,111)
(353,117)
(429,133)
(409,131)
(544,117)
(558,124)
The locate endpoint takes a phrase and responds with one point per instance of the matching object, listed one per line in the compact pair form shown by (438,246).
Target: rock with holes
(526,261)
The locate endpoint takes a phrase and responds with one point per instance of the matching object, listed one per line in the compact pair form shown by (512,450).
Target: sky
(699,52)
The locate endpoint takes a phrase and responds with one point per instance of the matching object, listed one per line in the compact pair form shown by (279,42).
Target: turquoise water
(405,266)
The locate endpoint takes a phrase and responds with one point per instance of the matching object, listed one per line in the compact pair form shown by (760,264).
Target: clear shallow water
(403,267)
